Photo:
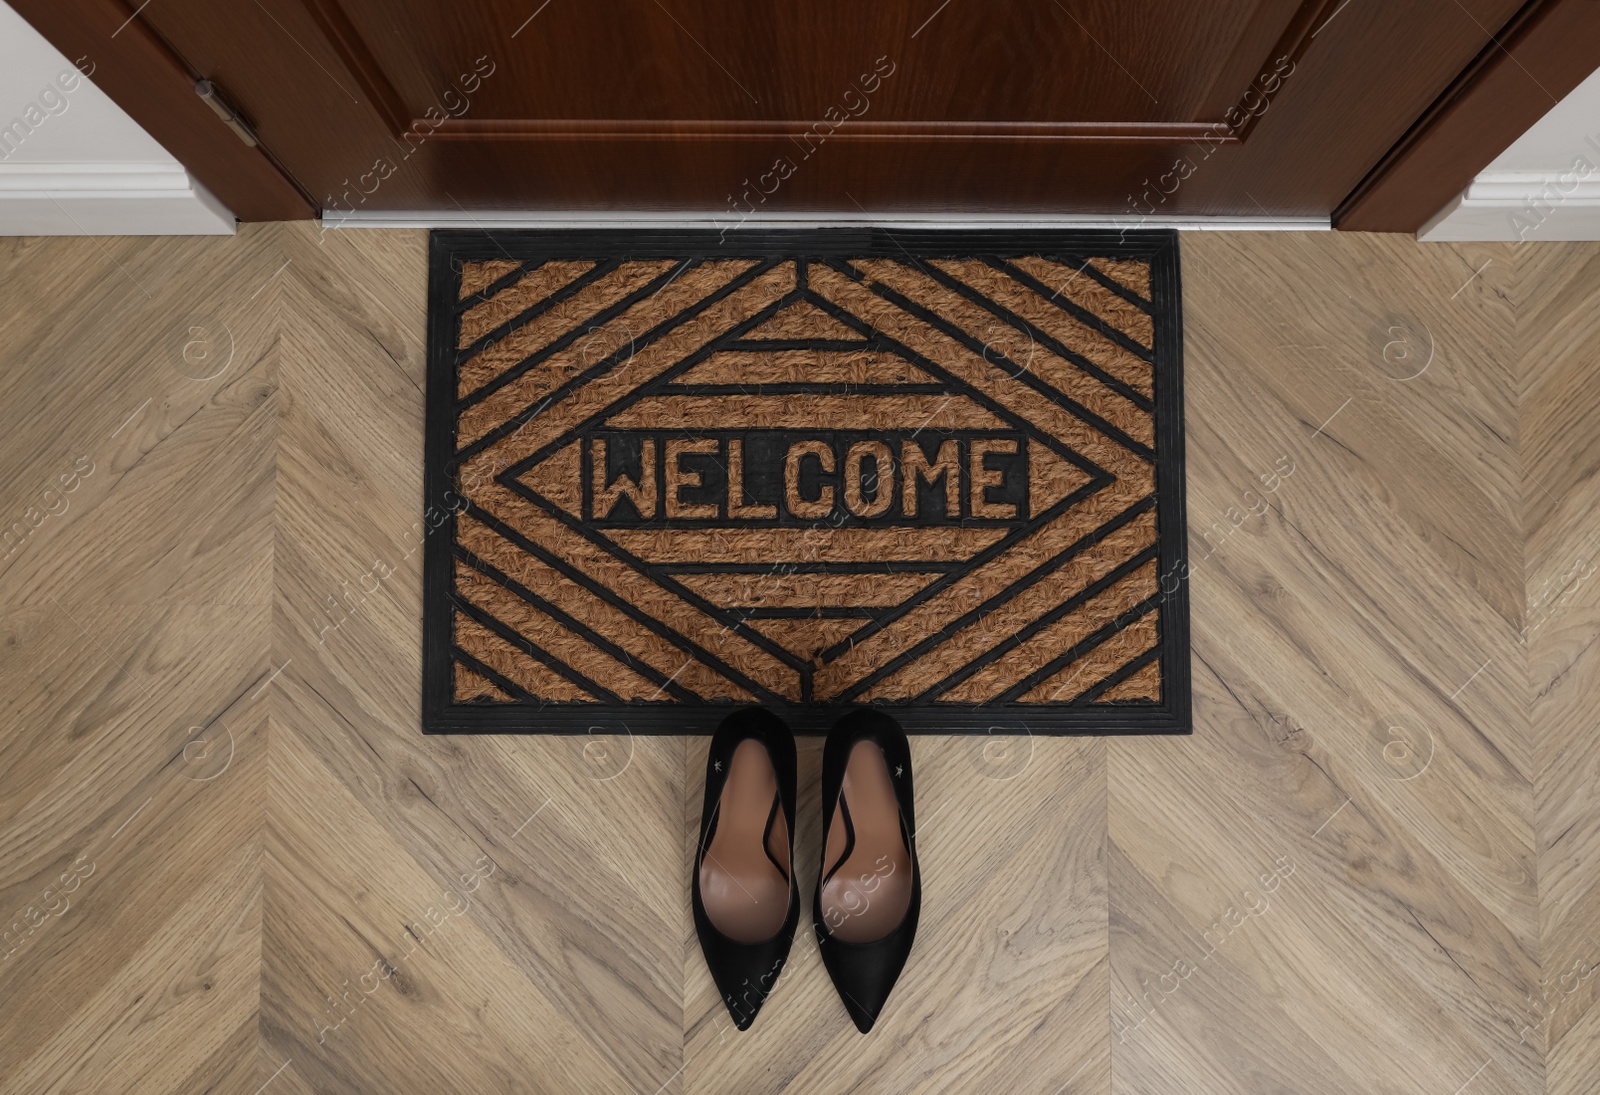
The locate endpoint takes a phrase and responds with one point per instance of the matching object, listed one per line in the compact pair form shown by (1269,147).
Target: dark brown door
(1133,107)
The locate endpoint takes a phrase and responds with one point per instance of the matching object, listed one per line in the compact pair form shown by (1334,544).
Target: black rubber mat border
(447,249)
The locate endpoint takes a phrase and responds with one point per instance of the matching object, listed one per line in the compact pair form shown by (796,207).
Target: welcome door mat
(671,472)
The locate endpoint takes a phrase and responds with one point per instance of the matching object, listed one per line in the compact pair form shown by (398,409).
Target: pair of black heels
(869,893)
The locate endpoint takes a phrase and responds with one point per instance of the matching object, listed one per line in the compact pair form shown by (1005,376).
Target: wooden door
(1133,107)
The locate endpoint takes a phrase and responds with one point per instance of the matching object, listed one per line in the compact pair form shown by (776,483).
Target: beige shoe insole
(868,896)
(746,897)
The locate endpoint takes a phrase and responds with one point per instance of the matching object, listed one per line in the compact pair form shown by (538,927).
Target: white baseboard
(1513,206)
(107,199)
(506,219)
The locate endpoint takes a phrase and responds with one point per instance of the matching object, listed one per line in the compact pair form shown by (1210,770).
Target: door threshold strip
(526,218)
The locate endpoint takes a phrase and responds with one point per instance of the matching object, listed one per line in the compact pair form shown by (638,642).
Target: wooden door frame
(131,63)
(1546,50)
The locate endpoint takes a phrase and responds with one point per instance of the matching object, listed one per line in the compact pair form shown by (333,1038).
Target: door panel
(1000,61)
(1212,107)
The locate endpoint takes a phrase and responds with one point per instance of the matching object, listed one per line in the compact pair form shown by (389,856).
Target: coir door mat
(669,473)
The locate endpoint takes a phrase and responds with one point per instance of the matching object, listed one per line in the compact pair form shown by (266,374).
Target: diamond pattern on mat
(640,383)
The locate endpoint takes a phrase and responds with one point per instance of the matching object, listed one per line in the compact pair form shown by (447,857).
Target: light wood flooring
(230,862)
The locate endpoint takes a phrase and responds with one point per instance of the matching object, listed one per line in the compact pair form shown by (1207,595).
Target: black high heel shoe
(870,891)
(746,900)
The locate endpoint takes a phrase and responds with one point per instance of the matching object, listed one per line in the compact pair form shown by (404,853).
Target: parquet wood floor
(229,862)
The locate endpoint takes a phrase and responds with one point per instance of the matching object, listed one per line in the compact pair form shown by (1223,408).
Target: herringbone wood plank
(1318,626)
(1373,866)
(137,620)
(1560,398)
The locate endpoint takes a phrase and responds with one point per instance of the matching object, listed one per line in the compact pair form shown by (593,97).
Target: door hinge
(224,110)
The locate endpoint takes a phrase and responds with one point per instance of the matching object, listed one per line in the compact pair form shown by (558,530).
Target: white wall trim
(95,199)
(1515,186)
(506,219)
(1523,206)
